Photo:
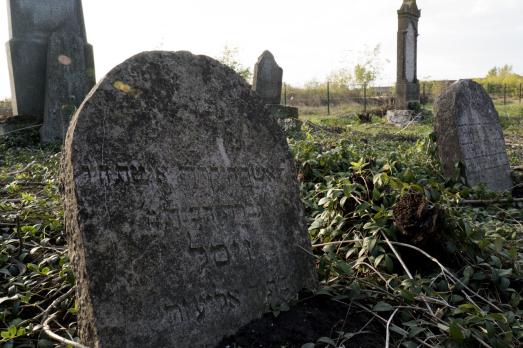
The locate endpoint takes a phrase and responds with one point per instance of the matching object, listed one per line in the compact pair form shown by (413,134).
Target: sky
(309,38)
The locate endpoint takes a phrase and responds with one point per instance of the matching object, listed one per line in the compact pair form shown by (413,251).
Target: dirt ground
(310,319)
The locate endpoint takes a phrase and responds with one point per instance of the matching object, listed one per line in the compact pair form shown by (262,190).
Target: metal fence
(382,98)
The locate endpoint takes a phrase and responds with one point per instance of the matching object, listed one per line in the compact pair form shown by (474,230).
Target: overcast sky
(309,38)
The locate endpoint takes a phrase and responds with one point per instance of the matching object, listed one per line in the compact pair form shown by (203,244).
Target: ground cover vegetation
(428,260)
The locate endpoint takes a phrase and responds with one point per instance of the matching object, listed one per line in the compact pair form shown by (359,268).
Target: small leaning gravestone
(181,203)
(468,131)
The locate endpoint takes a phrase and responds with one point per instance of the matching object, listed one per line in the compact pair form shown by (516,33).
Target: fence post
(328,99)
(505,94)
(424,95)
(285,94)
(520,93)
(365,98)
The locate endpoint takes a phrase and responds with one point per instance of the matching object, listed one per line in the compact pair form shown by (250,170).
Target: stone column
(407,85)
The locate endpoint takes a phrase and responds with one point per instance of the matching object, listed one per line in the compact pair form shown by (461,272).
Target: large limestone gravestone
(468,131)
(31,23)
(68,81)
(267,82)
(182,206)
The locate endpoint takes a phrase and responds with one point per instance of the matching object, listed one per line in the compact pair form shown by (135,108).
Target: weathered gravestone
(68,81)
(267,80)
(182,206)
(31,23)
(468,131)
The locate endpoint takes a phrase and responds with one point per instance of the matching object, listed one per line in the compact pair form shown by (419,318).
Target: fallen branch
(22,170)
(452,277)
(387,337)
(489,201)
(20,129)
(56,337)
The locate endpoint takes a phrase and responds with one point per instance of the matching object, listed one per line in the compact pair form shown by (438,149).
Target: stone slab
(402,118)
(469,131)
(182,205)
(282,112)
(267,80)
(31,23)
(69,79)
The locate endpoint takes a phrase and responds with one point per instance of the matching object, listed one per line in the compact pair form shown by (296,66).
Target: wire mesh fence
(326,99)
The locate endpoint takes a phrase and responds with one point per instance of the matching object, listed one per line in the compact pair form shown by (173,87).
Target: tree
(365,72)
(229,57)
(341,78)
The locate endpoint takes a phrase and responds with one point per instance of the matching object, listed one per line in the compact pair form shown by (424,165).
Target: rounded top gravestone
(469,131)
(182,207)
(267,79)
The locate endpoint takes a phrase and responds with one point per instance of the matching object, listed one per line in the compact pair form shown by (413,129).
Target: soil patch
(307,321)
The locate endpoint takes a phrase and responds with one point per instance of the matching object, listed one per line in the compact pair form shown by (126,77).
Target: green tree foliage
(499,77)
(365,72)
(229,57)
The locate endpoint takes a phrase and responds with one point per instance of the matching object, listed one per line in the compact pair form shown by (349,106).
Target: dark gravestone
(68,82)
(267,82)
(468,131)
(267,79)
(31,23)
(181,205)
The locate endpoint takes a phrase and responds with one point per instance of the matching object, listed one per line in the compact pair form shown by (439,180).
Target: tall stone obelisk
(407,84)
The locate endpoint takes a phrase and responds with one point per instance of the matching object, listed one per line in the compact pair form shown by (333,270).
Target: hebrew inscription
(182,206)
(468,130)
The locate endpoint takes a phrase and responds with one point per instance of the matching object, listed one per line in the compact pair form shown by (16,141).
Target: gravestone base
(282,112)
(402,118)
(291,127)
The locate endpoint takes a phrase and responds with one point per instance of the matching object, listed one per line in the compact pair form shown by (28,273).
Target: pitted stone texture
(68,82)
(267,79)
(182,207)
(468,130)
(31,23)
